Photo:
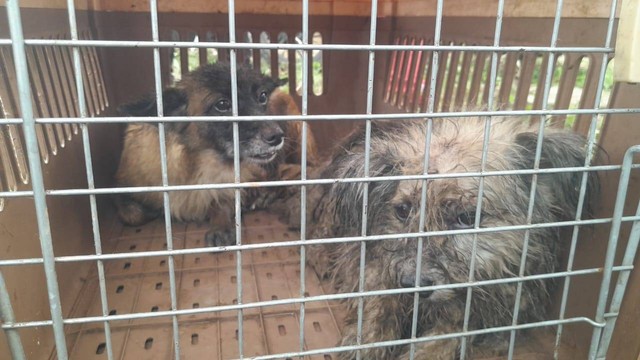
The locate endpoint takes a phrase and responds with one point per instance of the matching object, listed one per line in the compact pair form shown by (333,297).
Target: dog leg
(435,350)
(222,231)
(133,213)
(380,322)
(318,259)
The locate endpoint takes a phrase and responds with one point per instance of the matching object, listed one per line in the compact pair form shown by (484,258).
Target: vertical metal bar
(630,252)
(86,146)
(153,8)
(303,164)
(35,167)
(536,165)
(7,317)
(427,149)
(583,185)
(236,168)
(483,164)
(613,241)
(367,153)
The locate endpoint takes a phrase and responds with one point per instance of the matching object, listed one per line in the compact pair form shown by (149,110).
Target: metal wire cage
(419,65)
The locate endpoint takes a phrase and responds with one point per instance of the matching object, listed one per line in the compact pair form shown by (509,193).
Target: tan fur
(281,103)
(184,167)
(199,152)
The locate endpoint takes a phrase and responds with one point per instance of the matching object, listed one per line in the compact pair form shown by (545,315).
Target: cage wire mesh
(426,78)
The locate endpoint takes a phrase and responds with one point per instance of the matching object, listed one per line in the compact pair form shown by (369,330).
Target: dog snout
(273,135)
(409,281)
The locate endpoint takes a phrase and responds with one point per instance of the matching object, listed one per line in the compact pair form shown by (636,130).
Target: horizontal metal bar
(130,190)
(329,117)
(16,194)
(11,121)
(329,297)
(428,338)
(325,47)
(245,185)
(297,243)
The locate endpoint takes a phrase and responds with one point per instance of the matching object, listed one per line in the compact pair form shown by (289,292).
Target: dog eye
(465,220)
(263,98)
(403,211)
(223,105)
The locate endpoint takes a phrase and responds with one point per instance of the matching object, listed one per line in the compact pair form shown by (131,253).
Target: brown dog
(199,152)
(287,166)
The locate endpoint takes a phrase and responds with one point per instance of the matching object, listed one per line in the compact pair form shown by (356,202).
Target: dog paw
(289,212)
(220,238)
(264,200)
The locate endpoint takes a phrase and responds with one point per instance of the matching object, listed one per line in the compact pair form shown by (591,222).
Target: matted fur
(202,152)
(397,148)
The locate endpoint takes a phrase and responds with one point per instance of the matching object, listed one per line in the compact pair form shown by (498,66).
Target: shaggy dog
(397,148)
(202,152)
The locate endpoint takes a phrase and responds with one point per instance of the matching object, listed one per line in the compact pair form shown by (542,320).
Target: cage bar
(438,63)
(35,168)
(95,225)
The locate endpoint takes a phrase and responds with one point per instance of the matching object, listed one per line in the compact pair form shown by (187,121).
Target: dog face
(207,92)
(456,147)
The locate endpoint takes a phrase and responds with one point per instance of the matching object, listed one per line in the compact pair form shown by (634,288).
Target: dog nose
(409,281)
(273,137)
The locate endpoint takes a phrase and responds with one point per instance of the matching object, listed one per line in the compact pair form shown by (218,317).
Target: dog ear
(348,197)
(560,149)
(271,84)
(174,101)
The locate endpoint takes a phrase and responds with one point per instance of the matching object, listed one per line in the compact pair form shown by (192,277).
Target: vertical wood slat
(88,91)
(570,70)
(587,101)
(293,77)
(404,87)
(415,79)
(426,83)
(465,70)
(275,66)
(398,74)
(452,75)
(54,135)
(50,70)
(474,89)
(487,71)
(92,75)
(52,93)
(391,72)
(15,138)
(102,91)
(202,52)
(508,76)
(524,85)
(443,60)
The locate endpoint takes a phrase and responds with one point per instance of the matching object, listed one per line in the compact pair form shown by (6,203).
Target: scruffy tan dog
(202,152)
(397,148)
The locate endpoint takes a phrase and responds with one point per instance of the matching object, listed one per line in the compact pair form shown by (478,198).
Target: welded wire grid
(602,322)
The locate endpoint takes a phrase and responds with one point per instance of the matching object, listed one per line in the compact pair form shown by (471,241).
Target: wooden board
(386,8)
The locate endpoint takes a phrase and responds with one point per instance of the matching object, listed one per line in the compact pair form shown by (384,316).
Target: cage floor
(204,280)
